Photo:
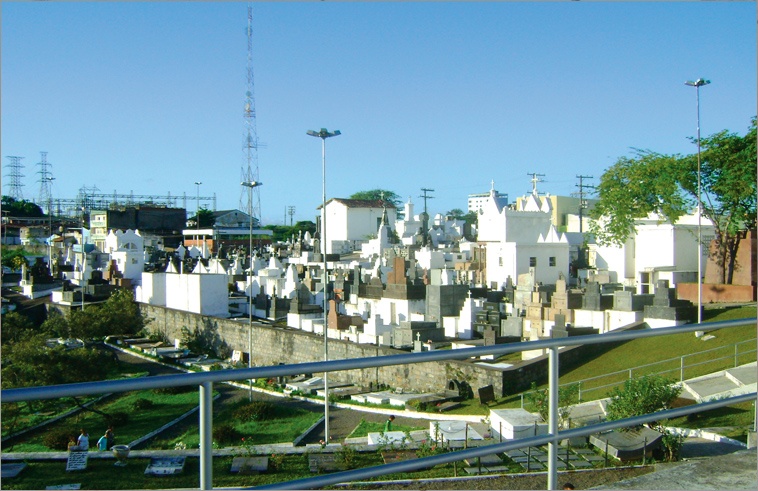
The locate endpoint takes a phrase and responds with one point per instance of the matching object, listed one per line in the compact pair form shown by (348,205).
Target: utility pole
(535,179)
(581,194)
(291,212)
(425,217)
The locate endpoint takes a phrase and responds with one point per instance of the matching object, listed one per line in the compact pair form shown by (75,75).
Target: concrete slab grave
(165,466)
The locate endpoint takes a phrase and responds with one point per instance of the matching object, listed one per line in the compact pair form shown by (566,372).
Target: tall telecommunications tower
(250,173)
(14,176)
(45,184)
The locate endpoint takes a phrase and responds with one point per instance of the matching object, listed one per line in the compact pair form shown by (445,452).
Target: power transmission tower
(250,173)
(14,176)
(535,179)
(45,181)
(581,194)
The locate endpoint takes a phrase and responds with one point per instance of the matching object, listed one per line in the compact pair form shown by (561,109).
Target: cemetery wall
(275,345)
(519,377)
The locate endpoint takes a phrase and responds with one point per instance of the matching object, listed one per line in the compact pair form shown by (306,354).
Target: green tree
(14,258)
(16,327)
(642,395)
(30,362)
(383,195)
(650,182)
(120,314)
(20,208)
(206,218)
(568,395)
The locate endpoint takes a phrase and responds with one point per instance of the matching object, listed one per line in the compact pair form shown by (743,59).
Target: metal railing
(206,380)
(622,376)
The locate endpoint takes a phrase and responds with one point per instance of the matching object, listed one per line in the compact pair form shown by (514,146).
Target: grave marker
(77,460)
(486,394)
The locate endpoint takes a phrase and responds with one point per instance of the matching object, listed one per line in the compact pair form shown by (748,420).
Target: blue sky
(148,97)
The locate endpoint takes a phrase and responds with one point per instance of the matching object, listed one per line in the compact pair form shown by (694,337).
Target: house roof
(362,203)
(221,213)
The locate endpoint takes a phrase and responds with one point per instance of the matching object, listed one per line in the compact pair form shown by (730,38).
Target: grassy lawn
(37,412)
(102,474)
(286,424)
(732,421)
(162,409)
(366,427)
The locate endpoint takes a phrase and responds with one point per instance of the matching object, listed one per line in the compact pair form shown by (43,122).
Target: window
(551,261)
(532,262)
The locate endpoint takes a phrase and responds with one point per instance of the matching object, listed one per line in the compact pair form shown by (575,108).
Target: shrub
(142,404)
(175,390)
(255,411)
(226,434)
(347,456)
(57,439)
(118,418)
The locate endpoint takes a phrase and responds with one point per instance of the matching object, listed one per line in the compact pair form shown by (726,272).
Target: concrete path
(735,470)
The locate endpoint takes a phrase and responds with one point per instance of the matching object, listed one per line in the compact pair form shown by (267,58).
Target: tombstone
(417,343)
(249,465)
(489,336)
(165,466)
(486,394)
(77,460)
(666,306)
(591,300)
(628,445)
(559,328)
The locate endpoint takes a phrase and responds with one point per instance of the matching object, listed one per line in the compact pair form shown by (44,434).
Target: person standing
(102,443)
(83,440)
(110,437)
(388,424)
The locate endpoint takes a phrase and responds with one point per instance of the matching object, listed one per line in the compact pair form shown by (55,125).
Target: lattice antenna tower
(250,172)
(45,181)
(14,177)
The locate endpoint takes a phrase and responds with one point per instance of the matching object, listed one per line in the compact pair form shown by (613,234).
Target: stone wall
(275,345)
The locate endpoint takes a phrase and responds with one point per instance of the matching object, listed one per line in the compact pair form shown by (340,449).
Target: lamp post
(197,211)
(697,84)
(251,185)
(324,134)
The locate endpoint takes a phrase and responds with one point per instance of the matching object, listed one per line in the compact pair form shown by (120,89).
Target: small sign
(486,394)
(77,461)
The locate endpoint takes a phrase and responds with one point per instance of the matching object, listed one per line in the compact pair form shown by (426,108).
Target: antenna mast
(250,173)
(15,176)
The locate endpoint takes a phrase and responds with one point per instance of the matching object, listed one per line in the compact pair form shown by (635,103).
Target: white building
(351,222)
(127,250)
(476,202)
(657,251)
(519,239)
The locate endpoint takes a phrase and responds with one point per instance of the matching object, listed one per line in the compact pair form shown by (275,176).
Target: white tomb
(516,423)
(449,431)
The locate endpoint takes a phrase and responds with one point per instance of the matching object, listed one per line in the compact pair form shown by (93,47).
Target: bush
(255,411)
(142,404)
(57,439)
(118,418)
(175,390)
(226,434)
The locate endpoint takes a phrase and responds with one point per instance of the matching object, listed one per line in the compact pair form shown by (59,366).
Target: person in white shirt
(83,440)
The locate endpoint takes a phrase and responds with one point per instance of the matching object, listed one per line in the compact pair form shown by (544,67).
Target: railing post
(681,368)
(735,355)
(552,446)
(580,391)
(206,435)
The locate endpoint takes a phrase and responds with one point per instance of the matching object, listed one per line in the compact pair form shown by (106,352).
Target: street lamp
(697,84)
(251,185)
(324,134)
(197,213)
